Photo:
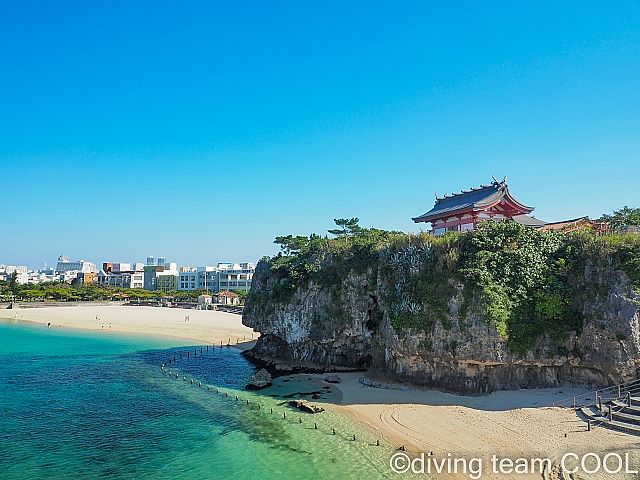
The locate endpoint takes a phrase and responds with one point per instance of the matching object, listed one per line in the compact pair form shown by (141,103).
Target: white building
(235,277)
(65,265)
(224,276)
(68,276)
(9,269)
(121,267)
(188,279)
(124,279)
(205,300)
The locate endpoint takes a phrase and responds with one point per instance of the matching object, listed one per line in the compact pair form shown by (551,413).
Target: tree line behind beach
(61,291)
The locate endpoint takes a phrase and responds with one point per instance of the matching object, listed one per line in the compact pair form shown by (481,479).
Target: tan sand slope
(205,326)
(508,424)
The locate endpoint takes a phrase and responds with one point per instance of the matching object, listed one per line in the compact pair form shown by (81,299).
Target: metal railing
(615,392)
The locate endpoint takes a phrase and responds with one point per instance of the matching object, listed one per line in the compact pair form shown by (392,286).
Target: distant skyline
(201,131)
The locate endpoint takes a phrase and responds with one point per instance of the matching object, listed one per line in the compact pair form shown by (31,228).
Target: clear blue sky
(199,131)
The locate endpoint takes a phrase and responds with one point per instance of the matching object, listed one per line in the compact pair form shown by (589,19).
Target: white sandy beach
(204,326)
(509,424)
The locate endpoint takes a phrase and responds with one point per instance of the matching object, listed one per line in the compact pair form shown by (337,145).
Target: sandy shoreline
(511,424)
(204,326)
(508,424)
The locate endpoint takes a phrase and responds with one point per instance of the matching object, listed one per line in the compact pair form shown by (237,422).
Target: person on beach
(49,325)
(109,325)
(103,326)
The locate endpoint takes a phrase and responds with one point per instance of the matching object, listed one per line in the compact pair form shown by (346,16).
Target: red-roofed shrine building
(462,211)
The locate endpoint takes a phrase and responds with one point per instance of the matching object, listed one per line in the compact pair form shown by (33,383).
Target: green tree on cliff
(291,245)
(624,216)
(348,227)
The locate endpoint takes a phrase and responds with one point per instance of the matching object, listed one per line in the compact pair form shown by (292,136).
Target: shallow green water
(79,404)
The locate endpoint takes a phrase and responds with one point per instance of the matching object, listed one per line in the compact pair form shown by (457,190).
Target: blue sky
(200,131)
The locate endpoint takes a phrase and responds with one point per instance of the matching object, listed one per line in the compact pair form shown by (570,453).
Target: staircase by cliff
(616,407)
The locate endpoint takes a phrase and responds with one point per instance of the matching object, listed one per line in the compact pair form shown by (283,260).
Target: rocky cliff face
(322,330)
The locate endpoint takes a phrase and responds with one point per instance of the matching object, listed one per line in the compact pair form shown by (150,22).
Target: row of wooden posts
(184,379)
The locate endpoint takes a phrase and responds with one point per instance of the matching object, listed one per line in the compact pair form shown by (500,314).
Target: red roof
(474,200)
(227,294)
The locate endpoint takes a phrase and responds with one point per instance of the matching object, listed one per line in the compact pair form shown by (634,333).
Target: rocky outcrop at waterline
(305,406)
(262,379)
(353,325)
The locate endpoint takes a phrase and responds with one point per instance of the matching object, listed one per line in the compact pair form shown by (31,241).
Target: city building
(188,278)
(207,278)
(85,278)
(204,300)
(21,271)
(166,281)
(9,269)
(235,277)
(64,265)
(227,298)
(462,211)
(191,278)
(120,279)
(152,272)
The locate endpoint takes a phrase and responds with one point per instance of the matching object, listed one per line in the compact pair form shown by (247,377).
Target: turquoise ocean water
(82,404)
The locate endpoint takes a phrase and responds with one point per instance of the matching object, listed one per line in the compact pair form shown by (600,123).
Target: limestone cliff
(349,327)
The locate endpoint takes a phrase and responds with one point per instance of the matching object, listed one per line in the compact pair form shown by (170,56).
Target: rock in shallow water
(260,380)
(305,406)
(332,379)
